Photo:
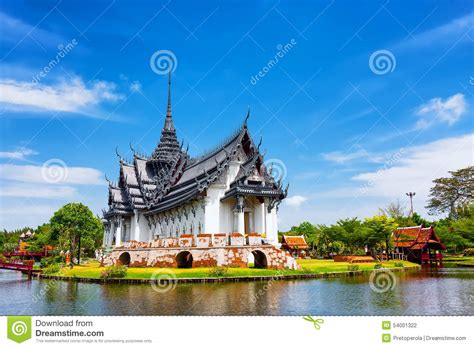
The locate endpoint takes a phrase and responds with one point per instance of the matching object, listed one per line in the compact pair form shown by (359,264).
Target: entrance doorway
(257,259)
(124,259)
(247,222)
(184,259)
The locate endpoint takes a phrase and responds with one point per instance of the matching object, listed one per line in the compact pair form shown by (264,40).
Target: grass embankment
(93,270)
(456,261)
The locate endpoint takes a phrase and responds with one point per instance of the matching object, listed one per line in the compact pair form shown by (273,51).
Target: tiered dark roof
(170,177)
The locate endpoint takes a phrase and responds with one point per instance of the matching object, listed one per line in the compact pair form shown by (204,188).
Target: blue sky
(348,133)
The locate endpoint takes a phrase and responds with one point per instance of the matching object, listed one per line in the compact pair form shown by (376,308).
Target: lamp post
(411,195)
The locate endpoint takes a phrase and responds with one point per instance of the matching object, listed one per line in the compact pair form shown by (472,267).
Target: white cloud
(14,29)
(52,174)
(311,175)
(443,34)
(342,157)
(18,154)
(36,191)
(13,216)
(71,96)
(295,201)
(437,110)
(416,169)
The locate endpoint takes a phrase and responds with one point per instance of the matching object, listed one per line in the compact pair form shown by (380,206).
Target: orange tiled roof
(294,242)
(405,237)
(415,237)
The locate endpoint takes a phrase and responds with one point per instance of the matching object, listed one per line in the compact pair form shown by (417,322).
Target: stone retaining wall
(265,256)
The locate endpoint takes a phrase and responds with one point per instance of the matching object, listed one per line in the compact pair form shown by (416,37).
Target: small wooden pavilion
(295,245)
(419,244)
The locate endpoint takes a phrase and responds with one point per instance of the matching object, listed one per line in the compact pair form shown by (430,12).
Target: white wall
(271,226)
(212,211)
(227,217)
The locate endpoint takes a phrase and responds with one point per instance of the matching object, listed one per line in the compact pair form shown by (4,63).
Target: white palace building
(169,194)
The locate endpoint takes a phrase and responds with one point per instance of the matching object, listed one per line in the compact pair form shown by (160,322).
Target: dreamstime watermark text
(282,51)
(63,51)
(382,171)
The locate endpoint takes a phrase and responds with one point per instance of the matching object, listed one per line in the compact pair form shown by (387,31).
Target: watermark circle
(277,168)
(382,62)
(382,281)
(163,61)
(19,328)
(163,280)
(54,170)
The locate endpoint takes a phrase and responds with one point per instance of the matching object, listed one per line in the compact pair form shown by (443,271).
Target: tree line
(73,228)
(452,196)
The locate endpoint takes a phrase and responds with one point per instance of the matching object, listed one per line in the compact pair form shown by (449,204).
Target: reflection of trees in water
(420,293)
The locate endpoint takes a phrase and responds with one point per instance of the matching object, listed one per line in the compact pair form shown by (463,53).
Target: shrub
(469,252)
(398,264)
(359,252)
(115,271)
(378,265)
(46,261)
(218,271)
(52,268)
(353,268)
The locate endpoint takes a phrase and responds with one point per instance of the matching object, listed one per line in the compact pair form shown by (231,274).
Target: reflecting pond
(444,291)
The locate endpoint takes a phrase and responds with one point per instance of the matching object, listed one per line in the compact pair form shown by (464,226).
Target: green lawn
(455,261)
(93,270)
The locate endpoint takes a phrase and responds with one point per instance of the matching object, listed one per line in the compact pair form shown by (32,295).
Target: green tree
(379,231)
(352,234)
(42,238)
(75,227)
(450,193)
(306,229)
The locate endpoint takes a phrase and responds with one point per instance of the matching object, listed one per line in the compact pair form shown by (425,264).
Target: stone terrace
(202,250)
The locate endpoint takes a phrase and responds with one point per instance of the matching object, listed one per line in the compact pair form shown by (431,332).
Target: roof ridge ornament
(247,117)
(169,117)
(118,155)
(259,143)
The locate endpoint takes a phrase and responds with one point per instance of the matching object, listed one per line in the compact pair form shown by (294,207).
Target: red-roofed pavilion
(420,244)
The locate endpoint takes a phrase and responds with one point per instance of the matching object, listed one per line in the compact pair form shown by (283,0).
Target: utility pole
(411,195)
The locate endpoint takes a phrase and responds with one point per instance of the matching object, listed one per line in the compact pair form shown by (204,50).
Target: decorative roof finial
(118,155)
(247,117)
(259,143)
(169,118)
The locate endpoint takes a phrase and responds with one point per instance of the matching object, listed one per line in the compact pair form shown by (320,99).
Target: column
(240,214)
(118,232)
(240,222)
(105,240)
(260,218)
(251,222)
(110,237)
(135,227)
